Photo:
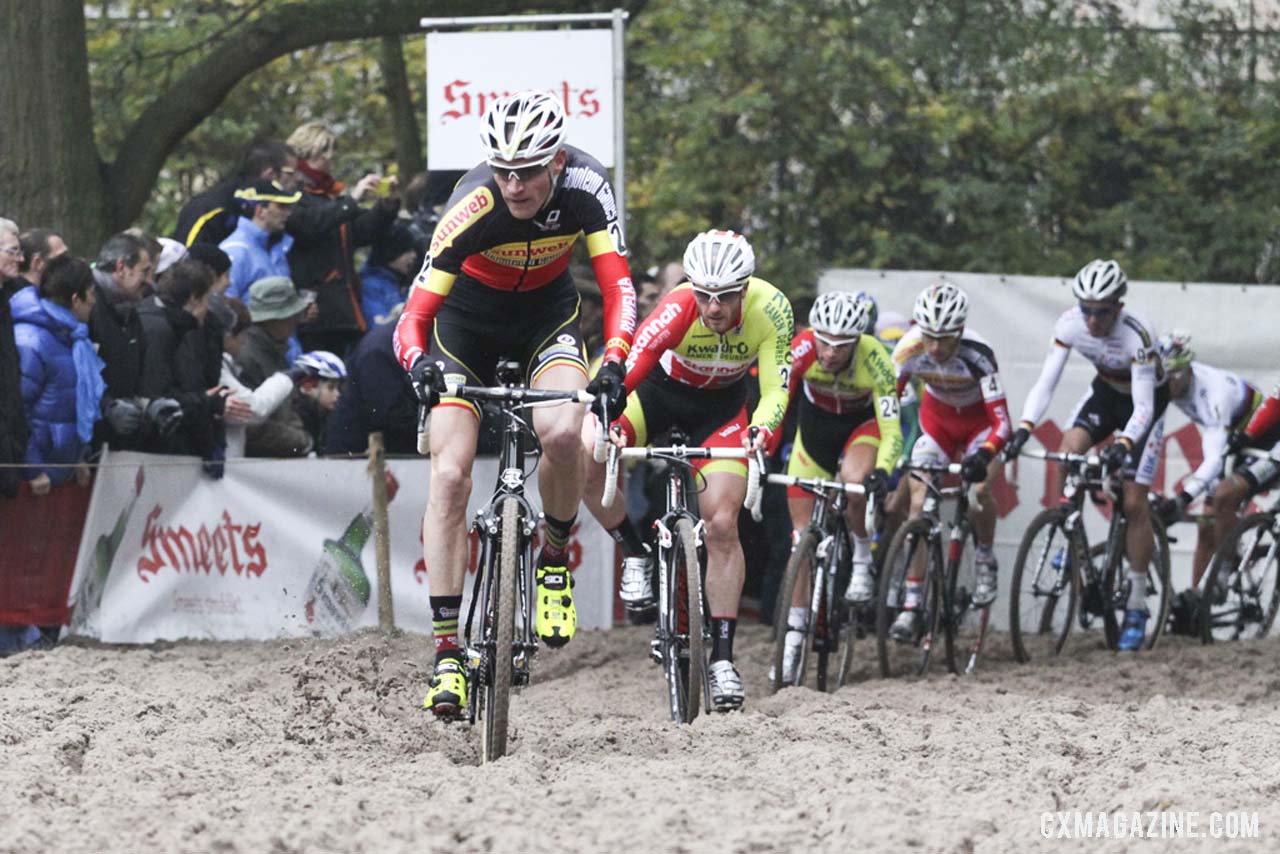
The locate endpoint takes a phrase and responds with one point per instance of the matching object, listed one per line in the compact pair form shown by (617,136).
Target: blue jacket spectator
(377,397)
(259,247)
(62,382)
(385,277)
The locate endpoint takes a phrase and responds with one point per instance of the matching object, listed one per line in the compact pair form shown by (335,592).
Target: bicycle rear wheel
(1159,593)
(500,613)
(1044,587)
(911,546)
(686,662)
(1240,594)
(799,567)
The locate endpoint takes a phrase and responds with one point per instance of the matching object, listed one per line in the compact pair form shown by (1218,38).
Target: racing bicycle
(1059,580)
(500,638)
(821,563)
(949,577)
(682,642)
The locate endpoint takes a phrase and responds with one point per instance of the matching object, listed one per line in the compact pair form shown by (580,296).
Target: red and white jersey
(970,378)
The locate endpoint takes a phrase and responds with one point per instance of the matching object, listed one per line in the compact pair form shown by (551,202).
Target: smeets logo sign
(223,546)
(463,101)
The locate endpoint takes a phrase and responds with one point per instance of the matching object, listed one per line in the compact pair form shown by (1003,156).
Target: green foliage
(1021,136)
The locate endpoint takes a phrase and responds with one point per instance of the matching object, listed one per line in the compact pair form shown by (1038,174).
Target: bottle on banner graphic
(94,582)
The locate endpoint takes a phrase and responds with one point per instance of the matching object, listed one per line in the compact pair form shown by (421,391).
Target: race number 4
(991,387)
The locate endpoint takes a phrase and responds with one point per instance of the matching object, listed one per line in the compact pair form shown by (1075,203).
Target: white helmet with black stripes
(1100,280)
(941,309)
(525,128)
(719,260)
(839,317)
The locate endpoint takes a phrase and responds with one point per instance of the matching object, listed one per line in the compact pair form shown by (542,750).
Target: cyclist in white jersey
(1219,403)
(1127,395)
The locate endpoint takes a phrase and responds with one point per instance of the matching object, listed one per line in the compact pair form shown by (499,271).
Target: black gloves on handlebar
(610,390)
(1236,442)
(876,483)
(973,468)
(1116,455)
(1169,510)
(1014,446)
(427,381)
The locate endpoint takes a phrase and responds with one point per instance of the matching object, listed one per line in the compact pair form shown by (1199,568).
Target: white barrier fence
(275,548)
(1231,328)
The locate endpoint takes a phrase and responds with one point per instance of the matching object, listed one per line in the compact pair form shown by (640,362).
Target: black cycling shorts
(711,417)
(478,325)
(1107,411)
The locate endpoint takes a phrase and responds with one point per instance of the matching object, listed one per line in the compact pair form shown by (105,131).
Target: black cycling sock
(722,629)
(444,625)
(626,535)
(556,536)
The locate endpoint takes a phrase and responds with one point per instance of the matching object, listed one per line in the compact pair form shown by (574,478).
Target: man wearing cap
(276,308)
(259,247)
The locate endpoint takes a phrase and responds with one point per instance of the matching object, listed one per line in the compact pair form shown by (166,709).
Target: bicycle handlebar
(517,394)
(817,484)
(682,453)
(1063,457)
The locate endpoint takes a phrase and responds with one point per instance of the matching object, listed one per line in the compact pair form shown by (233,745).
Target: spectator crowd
(261,327)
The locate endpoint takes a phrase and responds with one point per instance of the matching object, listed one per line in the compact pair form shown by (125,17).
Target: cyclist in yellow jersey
(847,420)
(703,338)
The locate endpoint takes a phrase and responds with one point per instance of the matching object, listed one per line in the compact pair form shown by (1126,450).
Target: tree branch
(289,27)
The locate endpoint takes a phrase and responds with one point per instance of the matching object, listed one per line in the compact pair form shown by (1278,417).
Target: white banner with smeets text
(275,548)
(468,71)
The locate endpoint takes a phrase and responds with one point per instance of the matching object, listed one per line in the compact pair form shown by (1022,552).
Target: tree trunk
(50,173)
(404,120)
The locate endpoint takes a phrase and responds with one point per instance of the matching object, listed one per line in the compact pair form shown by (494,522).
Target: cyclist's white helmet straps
(524,129)
(1175,351)
(941,309)
(1100,280)
(719,260)
(840,317)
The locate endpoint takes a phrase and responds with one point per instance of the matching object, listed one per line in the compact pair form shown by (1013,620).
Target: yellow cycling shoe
(447,697)
(557,617)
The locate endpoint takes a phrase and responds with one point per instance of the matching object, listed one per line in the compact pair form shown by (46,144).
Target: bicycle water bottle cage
(508,372)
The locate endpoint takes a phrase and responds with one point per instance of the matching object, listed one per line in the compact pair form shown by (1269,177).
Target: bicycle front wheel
(799,573)
(686,662)
(501,612)
(1044,587)
(1240,593)
(912,549)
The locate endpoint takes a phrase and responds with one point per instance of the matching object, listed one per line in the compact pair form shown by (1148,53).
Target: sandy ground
(320,746)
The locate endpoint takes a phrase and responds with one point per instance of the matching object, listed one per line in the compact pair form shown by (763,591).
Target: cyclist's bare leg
(444,525)
(1231,493)
(1206,545)
(801,510)
(1139,541)
(858,461)
(915,572)
(984,503)
(1075,441)
(726,566)
(559,429)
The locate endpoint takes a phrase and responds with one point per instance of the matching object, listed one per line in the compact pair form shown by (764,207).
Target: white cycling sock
(915,593)
(797,617)
(861,550)
(983,554)
(1137,592)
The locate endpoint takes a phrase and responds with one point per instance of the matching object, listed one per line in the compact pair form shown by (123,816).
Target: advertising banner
(1016,314)
(467,71)
(275,548)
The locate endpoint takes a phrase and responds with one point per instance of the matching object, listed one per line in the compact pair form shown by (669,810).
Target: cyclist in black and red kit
(496,285)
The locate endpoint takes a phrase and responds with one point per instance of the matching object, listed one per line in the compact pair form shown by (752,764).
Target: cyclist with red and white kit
(1128,395)
(689,371)
(495,285)
(963,413)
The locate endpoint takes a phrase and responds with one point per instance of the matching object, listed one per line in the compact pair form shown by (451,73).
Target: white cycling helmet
(525,128)
(719,260)
(839,317)
(1100,280)
(941,309)
(1175,350)
(321,364)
